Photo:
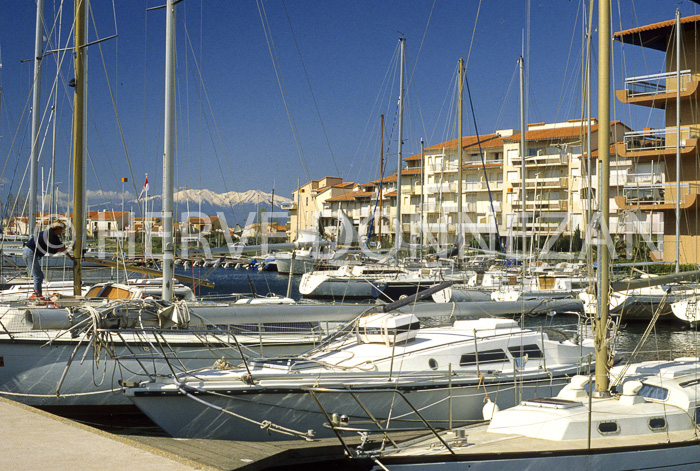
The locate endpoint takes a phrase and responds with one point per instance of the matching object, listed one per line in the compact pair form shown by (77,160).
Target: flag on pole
(144,190)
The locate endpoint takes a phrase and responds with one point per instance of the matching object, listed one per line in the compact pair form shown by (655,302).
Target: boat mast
(601,340)
(397,236)
(381,175)
(36,113)
(523,151)
(78,140)
(678,138)
(460,158)
(422,185)
(168,153)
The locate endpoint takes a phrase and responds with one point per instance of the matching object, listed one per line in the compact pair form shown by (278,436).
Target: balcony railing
(658,139)
(544,205)
(656,84)
(542,159)
(658,193)
(644,178)
(443,167)
(638,227)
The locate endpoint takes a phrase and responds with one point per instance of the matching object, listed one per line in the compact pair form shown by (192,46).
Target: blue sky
(336,62)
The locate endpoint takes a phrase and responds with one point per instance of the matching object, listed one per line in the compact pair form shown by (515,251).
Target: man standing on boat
(47,242)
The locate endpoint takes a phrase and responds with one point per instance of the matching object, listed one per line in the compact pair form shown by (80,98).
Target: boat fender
(489,409)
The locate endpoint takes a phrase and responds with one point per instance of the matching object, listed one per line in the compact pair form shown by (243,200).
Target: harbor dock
(32,439)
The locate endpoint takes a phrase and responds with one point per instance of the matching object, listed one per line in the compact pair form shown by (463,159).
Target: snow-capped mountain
(237,208)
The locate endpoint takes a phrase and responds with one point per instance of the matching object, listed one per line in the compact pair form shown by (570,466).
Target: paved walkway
(34,440)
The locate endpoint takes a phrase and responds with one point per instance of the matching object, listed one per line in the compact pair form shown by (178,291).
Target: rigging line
(14,175)
(566,67)
(471,43)
(383,91)
(413,70)
(448,102)
(206,119)
(308,82)
(508,92)
(14,138)
(483,165)
(275,65)
(116,111)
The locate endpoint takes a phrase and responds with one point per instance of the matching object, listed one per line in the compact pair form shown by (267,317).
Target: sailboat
(447,372)
(64,353)
(635,416)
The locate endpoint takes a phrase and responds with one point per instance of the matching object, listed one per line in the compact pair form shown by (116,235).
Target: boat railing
(374,425)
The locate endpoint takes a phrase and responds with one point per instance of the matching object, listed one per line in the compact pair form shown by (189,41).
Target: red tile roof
(106,214)
(557,133)
(351,196)
(487,141)
(654,36)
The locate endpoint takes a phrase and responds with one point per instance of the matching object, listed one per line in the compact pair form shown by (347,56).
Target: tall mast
(422,185)
(78,140)
(523,151)
(460,158)
(168,152)
(36,113)
(381,175)
(397,236)
(601,339)
(678,138)
(589,158)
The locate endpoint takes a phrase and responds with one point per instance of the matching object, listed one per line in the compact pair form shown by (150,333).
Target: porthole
(657,424)
(608,428)
(433,364)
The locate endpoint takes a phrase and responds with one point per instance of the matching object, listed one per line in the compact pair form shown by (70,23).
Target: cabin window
(531,350)
(697,415)
(608,428)
(488,356)
(433,364)
(657,424)
(653,392)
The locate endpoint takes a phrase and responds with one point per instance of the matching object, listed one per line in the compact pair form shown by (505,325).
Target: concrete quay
(31,439)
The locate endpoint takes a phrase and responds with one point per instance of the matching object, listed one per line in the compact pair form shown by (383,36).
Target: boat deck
(479,442)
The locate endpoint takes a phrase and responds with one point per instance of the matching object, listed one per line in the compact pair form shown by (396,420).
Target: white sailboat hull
(296,408)
(32,368)
(678,457)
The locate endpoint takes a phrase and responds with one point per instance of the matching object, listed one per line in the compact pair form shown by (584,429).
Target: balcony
(542,159)
(657,89)
(437,227)
(637,227)
(652,143)
(477,164)
(416,190)
(446,187)
(449,207)
(289,206)
(544,183)
(657,196)
(479,227)
(443,167)
(544,205)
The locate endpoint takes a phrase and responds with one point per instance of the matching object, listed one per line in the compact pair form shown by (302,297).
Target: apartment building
(307,202)
(556,191)
(431,200)
(653,190)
